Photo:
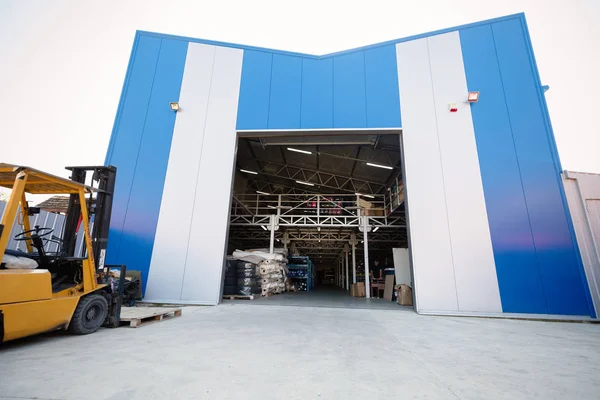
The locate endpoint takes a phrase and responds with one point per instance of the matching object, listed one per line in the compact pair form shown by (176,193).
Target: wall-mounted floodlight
(174,106)
(473,97)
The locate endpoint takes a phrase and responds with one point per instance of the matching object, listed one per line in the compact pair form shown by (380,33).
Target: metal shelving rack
(301,264)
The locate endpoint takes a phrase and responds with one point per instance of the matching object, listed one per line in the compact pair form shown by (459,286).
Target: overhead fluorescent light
(362,241)
(365,195)
(265,193)
(299,151)
(376,229)
(305,183)
(270,206)
(264,227)
(379,166)
(249,172)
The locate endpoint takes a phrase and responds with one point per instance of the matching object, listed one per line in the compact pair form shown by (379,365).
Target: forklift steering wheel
(35,233)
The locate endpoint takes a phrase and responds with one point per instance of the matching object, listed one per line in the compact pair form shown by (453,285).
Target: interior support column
(347,274)
(272,228)
(366,242)
(353,242)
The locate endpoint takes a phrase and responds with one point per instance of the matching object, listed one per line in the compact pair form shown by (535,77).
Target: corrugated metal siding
(45,220)
(583,196)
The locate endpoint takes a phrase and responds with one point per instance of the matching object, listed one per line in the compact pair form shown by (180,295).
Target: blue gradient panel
(149,176)
(555,251)
(255,88)
(349,99)
(127,133)
(382,95)
(286,92)
(517,268)
(317,94)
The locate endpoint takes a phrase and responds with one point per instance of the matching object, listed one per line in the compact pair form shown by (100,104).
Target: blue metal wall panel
(127,133)
(382,95)
(514,251)
(556,254)
(143,206)
(253,107)
(349,101)
(286,92)
(317,94)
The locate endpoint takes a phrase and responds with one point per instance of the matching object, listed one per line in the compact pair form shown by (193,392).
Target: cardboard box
(359,290)
(404,295)
(362,203)
(374,212)
(353,289)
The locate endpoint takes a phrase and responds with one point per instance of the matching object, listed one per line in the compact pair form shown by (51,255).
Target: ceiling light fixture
(376,229)
(264,227)
(265,193)
(299,151)
(305,183)
(379,166)
(270,206)
(249,172)
(365,195)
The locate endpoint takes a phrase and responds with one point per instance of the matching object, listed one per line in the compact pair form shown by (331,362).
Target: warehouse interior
(308,195)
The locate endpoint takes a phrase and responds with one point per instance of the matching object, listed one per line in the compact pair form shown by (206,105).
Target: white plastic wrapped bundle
(256,257)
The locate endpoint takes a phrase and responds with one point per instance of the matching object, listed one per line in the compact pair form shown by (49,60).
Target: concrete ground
(262,350)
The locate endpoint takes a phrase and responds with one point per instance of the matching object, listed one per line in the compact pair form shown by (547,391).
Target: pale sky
(62,63)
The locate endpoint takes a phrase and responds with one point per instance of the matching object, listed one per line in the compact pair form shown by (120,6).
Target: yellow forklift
(43,290)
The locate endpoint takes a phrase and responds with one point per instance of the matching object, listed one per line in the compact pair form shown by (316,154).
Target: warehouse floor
(241,351)
(325,296)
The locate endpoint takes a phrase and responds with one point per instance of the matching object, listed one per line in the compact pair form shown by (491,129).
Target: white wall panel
(429,234)
(472,252)
(207,241)
(170,250)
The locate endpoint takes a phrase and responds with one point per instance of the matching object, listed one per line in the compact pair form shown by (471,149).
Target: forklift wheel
(89,314)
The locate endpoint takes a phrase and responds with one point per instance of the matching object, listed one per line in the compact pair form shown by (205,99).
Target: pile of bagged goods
(256,271)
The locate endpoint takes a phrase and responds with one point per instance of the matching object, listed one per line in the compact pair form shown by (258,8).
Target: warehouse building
(439,144)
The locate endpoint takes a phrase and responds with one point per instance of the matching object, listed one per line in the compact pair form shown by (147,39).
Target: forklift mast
(103,179)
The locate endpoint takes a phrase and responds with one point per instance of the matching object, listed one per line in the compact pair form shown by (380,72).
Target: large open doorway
(310,195)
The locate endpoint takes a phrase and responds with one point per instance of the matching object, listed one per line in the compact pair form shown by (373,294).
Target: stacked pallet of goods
(248,281)
(269,275)
(241,278)
(273,277)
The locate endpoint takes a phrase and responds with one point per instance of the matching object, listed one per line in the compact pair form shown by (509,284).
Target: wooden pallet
(137,316)
(239,297)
